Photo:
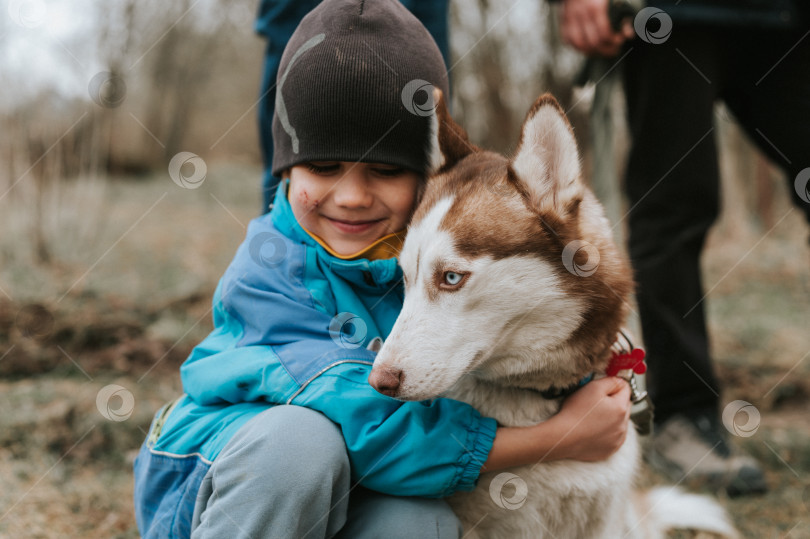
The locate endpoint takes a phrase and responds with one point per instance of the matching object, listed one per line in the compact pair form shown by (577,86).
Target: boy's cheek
(306,201)
(301,197)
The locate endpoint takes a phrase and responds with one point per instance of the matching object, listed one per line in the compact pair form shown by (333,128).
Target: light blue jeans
(286,473)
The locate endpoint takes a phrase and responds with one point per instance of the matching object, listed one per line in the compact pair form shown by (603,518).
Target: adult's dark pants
(672,182)
(276,21)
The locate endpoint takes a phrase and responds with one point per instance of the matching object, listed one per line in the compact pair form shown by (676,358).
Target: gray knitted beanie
(355,84)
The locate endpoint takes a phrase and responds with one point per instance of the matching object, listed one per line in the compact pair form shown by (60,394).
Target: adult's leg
(434,15)
(276,21)
(672,187)
(373,515)
(285,473)
(771,99)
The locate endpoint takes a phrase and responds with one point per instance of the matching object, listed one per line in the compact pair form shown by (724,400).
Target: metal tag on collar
(644,411)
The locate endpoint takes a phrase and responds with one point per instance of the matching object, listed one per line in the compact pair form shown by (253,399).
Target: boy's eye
(320,167)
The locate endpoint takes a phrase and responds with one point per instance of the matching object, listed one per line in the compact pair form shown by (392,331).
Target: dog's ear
(547,161)
(448,140)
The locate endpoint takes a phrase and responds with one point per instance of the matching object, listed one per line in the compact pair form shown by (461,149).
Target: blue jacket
(291,325)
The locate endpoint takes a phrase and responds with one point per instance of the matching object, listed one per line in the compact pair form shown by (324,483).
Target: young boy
(279,433)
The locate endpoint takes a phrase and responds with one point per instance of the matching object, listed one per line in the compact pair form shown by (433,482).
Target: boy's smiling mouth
(353,226)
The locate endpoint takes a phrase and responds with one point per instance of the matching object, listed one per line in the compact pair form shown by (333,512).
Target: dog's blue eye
(452,278)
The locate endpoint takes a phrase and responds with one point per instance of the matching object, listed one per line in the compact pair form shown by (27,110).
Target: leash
(605,75)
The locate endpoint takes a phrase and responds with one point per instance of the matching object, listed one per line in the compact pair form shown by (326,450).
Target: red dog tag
(633,360)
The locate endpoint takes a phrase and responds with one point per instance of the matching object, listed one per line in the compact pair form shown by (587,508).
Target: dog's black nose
(386,380)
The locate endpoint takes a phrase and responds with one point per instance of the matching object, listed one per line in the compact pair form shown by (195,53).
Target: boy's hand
(591,425)
(595,420)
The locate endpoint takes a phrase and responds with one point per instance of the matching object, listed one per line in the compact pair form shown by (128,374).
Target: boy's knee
(376,515)
(426,518)
(291,443)
(282,471)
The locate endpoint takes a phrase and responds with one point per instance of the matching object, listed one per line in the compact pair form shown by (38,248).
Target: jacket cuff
(478,445)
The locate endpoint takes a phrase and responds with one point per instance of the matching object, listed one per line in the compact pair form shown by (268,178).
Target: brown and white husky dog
(515,286)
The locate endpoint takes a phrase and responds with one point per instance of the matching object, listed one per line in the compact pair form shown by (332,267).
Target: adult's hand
(585,25)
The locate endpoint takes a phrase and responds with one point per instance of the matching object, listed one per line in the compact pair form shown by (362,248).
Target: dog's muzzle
(386,380)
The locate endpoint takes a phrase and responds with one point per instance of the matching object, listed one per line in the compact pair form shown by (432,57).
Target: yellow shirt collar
(385,247)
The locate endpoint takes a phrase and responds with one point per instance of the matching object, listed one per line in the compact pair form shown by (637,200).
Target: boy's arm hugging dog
(278,432)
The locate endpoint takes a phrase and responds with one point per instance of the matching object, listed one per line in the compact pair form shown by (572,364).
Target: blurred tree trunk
(550,77)
(117,41)
(180,66)
(190,74)
(499,115)
(39,164)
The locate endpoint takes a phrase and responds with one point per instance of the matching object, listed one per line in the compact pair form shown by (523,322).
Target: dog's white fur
(508,331)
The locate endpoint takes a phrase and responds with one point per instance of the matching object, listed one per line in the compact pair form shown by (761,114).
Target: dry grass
(124,297)
(127,295)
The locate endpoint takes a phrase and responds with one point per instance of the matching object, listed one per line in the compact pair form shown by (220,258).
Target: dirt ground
(91,344)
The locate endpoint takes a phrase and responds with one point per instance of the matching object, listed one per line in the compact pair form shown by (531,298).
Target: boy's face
(351,205)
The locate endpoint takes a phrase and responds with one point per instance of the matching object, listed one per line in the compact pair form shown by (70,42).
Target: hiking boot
(695,449)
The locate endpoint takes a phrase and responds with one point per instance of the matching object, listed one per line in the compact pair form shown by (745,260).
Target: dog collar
(557,392)
(626,361)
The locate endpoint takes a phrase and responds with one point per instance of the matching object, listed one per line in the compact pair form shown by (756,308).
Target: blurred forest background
(107,265)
